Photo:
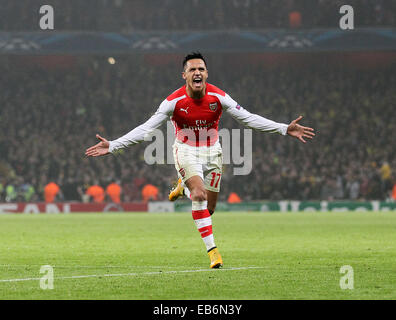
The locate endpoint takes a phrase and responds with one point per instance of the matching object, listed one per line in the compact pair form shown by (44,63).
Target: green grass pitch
(161,256)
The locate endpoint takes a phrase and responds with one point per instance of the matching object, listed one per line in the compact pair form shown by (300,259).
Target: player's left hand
(300,132)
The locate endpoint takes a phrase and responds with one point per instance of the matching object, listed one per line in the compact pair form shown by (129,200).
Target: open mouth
(197,82)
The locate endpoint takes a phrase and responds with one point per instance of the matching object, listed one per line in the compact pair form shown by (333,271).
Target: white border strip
(131,274)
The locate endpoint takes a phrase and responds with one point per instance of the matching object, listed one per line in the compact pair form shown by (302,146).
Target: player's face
(195,74)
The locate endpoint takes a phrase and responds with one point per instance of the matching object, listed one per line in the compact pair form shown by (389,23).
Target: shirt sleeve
(251,120)
(137,135)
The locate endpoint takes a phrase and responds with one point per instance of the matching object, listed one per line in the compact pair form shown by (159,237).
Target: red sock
(203,221)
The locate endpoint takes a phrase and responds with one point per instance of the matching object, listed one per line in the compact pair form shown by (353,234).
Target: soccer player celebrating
(195,110)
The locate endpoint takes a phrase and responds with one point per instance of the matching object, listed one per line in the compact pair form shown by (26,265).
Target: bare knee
(198,194)
(197,189)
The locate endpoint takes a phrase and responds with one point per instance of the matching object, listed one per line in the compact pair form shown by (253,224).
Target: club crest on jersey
(213,106)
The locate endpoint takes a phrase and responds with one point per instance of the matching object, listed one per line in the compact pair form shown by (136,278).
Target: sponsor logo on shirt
(185,110)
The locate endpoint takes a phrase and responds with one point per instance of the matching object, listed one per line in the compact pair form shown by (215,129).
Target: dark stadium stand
(52,107)
(126,16)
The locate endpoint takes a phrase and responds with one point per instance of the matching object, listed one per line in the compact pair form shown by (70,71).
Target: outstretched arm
(135,136)
(255,121)
(260,123)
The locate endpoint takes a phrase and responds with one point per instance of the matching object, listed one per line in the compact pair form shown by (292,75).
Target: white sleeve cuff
(283,129)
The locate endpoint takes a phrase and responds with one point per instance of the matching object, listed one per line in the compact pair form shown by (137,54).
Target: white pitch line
(131,274)
(85,266)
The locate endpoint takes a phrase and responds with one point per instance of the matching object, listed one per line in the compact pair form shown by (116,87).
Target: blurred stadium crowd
(125,16)
(48,117)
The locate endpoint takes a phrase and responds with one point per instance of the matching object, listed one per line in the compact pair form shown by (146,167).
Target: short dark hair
(193,55)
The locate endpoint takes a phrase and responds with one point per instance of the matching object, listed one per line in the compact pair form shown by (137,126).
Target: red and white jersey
(196,120)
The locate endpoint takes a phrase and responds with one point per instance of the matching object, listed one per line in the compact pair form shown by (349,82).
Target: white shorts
(205,162)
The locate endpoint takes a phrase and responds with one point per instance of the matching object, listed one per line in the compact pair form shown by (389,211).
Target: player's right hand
(100,149)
